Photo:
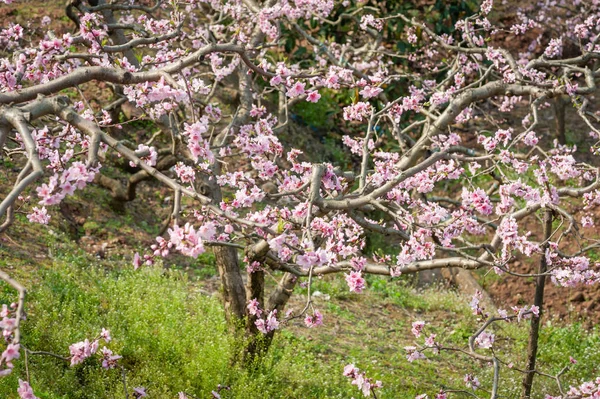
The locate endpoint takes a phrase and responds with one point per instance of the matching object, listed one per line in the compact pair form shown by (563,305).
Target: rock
(577,297)
(319,294)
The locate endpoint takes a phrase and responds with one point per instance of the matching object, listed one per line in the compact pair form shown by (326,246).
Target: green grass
(173,337)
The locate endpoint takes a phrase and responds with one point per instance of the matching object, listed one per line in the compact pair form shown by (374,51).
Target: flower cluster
(8,324)
(270,323)
(85,349)
(315,320)
(360,379)
(356,282)
(25,391)
(264,325)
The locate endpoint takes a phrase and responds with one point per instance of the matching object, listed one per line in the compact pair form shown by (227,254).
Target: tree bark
(539,302)
(255,287)
(258,344)
(281,295)
(234,297)
(559,115)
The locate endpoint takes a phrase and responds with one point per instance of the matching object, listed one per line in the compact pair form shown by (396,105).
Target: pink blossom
(571,88)
(486,6)
(489,143)
(25,391)
(430,342)
(417,327)
(357,112)
(370,92)
(360,379)
(413,354)
(530,139)
(187,240)
(185,173)
(109,361)
(295,90)
(475,303)
(253,267)
(82,350)
(8,325)
(554,48)
(261,325)
(504,135)
(310,259)
(39,215)
(369,20)
(411,36)
(313,96)
(535,310)
(355,281)
(272,322)
(269,324)
(471,381)
(254,308)
(587,221)
(105,335)
(276,80)
(315,320)
(350,370)
(11,352)
(257,111)
(485,340)
(478,200)
(137,261)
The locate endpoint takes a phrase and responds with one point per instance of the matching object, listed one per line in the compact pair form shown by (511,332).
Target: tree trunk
(234,296)
(559,115)
(254,346)
(232,284)
(258,343)
(539,302)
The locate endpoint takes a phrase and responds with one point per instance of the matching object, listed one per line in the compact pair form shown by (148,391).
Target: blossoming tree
(449,162)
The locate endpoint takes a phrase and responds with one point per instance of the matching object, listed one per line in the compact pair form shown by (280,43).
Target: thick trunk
(559,115)
(255,289)
(234,296)
(258,344)
(232,284)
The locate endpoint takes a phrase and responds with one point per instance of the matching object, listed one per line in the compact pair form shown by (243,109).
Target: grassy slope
(173,337)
